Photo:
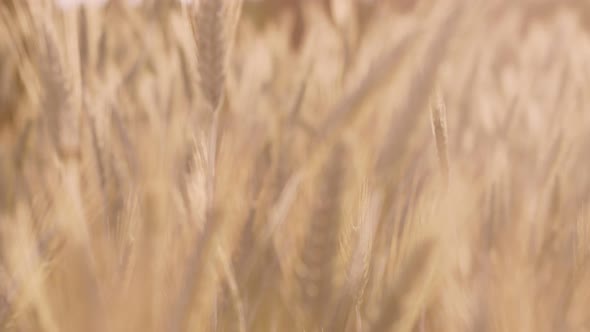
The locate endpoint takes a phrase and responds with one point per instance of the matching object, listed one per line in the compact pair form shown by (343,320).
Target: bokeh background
(311,165)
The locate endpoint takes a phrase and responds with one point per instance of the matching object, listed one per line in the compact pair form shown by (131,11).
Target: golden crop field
(301,165)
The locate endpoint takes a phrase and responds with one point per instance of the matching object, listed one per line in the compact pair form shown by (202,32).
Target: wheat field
(295,165)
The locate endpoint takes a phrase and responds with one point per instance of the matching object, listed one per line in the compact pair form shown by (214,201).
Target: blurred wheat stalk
(271,166)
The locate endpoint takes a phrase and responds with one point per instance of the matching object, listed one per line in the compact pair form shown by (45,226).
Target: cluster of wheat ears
(334,165)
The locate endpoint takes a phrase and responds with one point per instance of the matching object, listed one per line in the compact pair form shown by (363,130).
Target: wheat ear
(439,127)
(209,35)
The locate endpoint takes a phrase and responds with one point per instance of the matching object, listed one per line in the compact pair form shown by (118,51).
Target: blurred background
(295,165)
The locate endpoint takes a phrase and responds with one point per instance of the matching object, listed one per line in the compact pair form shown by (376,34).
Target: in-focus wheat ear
(209,35)
(439,128)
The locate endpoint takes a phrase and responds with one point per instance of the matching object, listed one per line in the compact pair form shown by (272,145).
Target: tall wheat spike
(210,40)
(207,20)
